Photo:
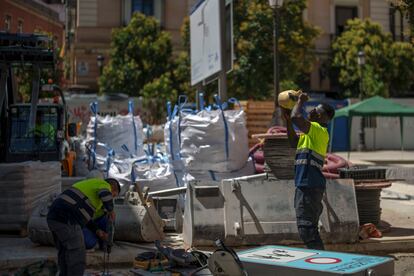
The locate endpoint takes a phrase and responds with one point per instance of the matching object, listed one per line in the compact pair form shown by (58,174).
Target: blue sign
(311,259)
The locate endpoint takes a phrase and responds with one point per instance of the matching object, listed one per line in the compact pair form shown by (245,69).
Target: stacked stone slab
(22,187)
(280,156)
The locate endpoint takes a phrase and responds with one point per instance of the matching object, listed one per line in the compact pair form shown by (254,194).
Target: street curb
(375,246)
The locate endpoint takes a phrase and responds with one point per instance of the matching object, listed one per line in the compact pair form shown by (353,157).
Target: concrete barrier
(259,210)
(203,213)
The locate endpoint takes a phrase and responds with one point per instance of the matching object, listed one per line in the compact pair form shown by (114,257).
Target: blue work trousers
(308,207)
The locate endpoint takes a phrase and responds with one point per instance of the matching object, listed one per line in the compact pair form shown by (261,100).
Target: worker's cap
(112,182)
(95,174)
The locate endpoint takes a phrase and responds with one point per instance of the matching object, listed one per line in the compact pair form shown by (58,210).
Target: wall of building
(380,13)
(34,18)
(94,24)
(97,18)
(174,14)
(322,13)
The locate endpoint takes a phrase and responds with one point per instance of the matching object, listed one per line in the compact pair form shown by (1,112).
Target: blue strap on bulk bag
(170,133)
(226,130)
(94,108)
(201,100)
(134,127)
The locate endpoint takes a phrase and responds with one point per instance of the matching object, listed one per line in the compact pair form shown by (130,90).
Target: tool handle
(144,203)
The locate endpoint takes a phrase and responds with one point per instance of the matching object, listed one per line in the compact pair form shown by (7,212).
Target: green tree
(24,74)
(252,75)
(401,56)
(364,36)
(388,65)
(181,74)
(140,53)
(408,7)
(155,96)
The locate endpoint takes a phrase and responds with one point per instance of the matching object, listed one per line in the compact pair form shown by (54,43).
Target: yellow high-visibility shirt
(91,188)
(316,139)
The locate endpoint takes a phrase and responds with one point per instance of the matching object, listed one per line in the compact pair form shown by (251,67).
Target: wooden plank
(259,113)
(257,126)
(260,107)
(255,117)
(258,130)
(257,123)
(269,135)
(260,104)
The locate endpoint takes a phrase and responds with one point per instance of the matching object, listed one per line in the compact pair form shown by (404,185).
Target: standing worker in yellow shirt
(309,181)
(73,210)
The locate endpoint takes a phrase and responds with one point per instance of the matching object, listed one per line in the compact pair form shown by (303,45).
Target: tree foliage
(155,95)
(24,74)
(387,64)
(140,53)
(408,7)
(402,72)
(253,74)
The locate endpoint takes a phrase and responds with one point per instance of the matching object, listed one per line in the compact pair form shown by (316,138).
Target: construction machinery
(37,130)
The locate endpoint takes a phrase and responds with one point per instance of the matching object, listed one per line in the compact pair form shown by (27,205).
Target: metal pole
(35,96)
(361,146)
(275,119)
(223,73)
(3,84)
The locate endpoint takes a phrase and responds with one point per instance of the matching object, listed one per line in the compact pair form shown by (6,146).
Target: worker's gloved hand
(303,97)
(102,234)
(286,113)
(111,216)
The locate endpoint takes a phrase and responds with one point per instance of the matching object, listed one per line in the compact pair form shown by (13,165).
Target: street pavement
(397,205)
(392,158)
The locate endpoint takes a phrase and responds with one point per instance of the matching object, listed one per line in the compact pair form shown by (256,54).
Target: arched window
(7,23)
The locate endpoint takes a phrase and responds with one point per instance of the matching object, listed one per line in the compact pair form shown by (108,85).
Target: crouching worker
(73,210)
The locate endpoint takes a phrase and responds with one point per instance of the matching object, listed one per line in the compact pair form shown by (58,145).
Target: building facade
(29,16)
(91,22)
(331,16)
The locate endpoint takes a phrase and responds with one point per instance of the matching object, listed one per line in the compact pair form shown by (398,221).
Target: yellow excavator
(38,130)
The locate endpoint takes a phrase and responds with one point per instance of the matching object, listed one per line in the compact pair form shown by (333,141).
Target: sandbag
(158,176)
(81,166)
(150,172)
(37,227)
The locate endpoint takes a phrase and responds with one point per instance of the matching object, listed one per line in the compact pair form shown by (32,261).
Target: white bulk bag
(247,169)
(210,142)
(117,131)
(157,176)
